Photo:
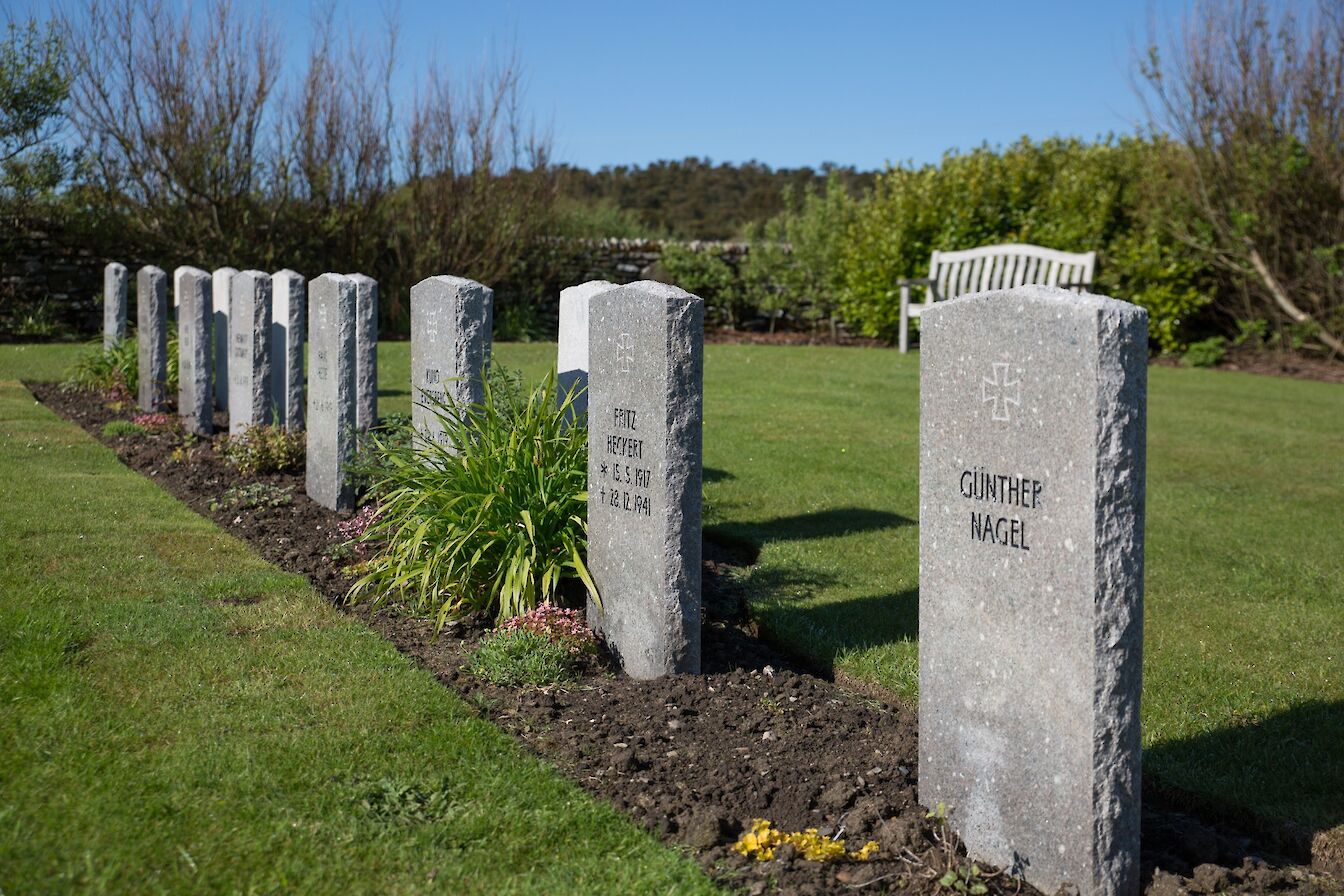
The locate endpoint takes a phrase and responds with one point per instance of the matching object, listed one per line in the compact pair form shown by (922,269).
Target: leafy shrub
(1206,352)
(490,520)
(115,370)
(105,370)
(254,495)
(1066,194)
(118,428)
(521,657)
(264,449)
(794,267)
(707,275)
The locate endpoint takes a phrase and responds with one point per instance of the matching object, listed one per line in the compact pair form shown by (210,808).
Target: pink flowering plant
(155,421)
(357,525)
(558,625)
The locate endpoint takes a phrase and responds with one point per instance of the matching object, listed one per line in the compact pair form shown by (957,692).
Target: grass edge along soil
(665,775)
(181,716)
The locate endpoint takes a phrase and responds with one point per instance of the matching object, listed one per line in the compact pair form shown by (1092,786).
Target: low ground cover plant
(490,520)
(119,428)
(541,647)
(264,449)
(519,657)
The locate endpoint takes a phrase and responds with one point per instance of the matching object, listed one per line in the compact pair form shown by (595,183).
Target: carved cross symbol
(431,375)
(625,353)
(1001,391)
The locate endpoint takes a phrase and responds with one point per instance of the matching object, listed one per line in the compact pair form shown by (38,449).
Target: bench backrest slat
(1005,266)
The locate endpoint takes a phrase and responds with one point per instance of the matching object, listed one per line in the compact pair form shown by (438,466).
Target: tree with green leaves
(34,86)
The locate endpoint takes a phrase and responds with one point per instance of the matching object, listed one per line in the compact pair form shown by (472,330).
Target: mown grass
(812,453)
(179,716)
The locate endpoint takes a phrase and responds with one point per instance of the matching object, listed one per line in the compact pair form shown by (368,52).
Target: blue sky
(786,83)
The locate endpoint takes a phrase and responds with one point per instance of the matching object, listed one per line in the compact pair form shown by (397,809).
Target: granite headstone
(331,390)
(221,291)
(195,315)
(114,303)
(151,320)
(366,351)
(1032,421)
(249,351)
(572,352)
(451,327)
(289,301)
(646,359)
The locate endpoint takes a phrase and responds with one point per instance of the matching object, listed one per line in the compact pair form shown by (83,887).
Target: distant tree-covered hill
(694,198)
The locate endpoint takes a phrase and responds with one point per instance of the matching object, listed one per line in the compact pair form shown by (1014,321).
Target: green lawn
(180,716)
(811,453)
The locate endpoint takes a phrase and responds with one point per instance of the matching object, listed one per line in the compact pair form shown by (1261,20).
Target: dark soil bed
(695,758)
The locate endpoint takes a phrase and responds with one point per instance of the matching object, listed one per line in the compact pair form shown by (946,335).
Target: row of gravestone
(1032,465)
(240,343)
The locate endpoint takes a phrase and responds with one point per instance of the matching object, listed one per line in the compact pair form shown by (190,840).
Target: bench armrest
(917,281)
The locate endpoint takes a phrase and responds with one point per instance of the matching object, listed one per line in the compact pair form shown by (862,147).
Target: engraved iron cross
(996,389)
(625,353)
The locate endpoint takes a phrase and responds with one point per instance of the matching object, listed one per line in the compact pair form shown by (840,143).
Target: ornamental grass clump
(761,840)
(490,520)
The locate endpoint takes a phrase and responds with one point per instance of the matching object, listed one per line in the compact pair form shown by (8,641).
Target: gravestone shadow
(830,523)
(1291,760)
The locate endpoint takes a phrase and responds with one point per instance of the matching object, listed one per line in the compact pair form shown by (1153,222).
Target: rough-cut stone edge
(287,371)
(366,351)
(195,391)
(258,404)
(115,287)
(151,340)
(1122,342)
(345,299)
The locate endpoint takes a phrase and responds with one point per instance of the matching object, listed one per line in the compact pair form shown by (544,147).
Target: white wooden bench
(953,274)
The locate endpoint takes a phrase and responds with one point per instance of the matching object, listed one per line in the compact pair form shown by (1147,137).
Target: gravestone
(195,315)
(289,301)
(646,357)
(331,390)
(1032,421)
(151,321)
(176,299)
(114,303)
(572,352)
(451,329)
(366,351)
(221,292)
(249,351)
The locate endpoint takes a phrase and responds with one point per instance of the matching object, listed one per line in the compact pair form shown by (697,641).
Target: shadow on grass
(833,523)
(1289,765)
(819,633)
(714,474)
(393,393)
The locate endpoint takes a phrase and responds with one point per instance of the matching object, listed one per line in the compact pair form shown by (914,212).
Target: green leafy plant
(409,803)
(115,370)
(519,657)
(254,495)
(489,518)
(1252,333)
(964,879)
(1205,353)
(264,449)
(119,428)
